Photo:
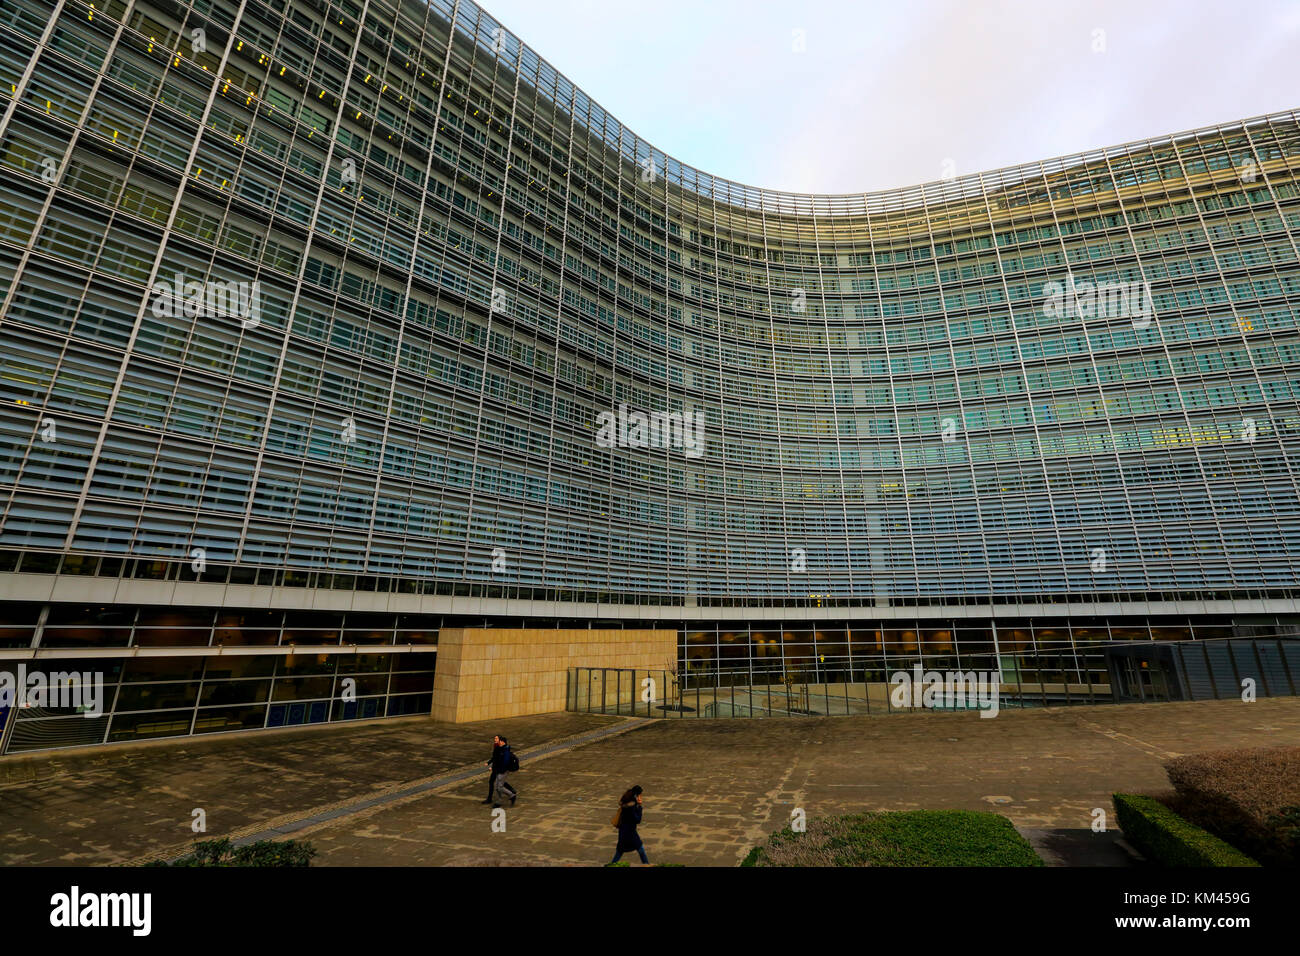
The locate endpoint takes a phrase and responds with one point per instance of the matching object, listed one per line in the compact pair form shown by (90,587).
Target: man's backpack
(512,763)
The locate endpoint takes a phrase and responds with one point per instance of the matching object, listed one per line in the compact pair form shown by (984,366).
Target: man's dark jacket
(501,759)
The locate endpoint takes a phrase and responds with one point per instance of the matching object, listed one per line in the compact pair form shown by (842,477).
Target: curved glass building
(328,323)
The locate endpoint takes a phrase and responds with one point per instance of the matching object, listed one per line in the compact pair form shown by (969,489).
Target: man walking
(503,762)
(492,763)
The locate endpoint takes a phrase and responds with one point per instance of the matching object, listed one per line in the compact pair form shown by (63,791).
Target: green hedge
(1167,839)
(261,853)
(899,838)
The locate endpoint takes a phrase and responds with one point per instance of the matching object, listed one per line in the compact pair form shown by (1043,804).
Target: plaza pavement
(713,788)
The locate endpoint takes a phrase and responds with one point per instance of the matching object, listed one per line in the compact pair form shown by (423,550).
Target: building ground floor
(81,674)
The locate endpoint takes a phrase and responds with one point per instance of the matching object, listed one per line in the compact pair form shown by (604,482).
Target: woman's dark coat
(628,818)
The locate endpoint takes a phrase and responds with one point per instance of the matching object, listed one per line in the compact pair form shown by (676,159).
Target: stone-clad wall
(484,673)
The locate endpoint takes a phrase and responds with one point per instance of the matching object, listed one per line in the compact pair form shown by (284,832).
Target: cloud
(885,93)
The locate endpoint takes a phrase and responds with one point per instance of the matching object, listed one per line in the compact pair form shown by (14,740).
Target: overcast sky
(885,93)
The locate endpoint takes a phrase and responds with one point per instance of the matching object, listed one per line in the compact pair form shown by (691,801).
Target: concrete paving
(127,802)
(713,788)
(1081,846)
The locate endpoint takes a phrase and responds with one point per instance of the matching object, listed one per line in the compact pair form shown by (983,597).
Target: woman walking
(629,815)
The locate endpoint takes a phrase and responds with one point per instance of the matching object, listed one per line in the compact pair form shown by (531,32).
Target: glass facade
(146,697)
(336,295)
(858,680)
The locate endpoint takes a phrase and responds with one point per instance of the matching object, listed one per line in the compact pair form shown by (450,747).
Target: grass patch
(261,853)
(903,838)
(622,863)
(1249,798)
(1167,839)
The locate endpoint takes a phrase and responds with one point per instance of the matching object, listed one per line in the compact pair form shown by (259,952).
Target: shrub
(1287,827)
(1167,839)
(904,838)
(1245,797)
(261,853)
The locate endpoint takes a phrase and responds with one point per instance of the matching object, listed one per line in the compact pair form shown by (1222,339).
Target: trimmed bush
(902,838)
(1167,839)
(1248,798)
(261,853)
(1287,827)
